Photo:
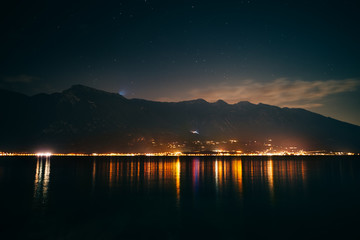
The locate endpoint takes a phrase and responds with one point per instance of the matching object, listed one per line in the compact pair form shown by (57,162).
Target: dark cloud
(26,84)
(20,79)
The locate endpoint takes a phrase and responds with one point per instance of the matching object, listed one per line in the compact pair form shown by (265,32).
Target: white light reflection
(42,179)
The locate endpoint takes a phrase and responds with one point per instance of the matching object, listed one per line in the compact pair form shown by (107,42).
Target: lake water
(180,198)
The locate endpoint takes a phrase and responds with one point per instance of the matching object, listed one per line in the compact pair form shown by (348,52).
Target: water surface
(180,198)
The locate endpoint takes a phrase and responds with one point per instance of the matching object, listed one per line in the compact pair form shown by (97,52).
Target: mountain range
(84,119)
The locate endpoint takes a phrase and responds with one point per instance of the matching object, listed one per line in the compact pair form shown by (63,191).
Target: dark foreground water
(180,198)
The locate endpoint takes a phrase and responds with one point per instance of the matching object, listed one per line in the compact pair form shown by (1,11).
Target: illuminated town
(170,154)
(200,148)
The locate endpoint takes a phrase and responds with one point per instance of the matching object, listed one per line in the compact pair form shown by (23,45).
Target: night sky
(285,53)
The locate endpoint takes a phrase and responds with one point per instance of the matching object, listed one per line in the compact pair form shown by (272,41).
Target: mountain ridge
(82,119)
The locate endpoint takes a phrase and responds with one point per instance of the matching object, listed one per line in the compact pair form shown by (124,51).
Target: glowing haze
(281,92)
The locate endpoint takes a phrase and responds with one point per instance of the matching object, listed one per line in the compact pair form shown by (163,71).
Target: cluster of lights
(44,154)
(215,153)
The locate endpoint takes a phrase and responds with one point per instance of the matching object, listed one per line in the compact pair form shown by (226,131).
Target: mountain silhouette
(84,119)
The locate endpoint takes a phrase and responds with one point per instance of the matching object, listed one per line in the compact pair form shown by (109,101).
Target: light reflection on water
(42,179)
(179,197)
(167,173)
(219,173)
